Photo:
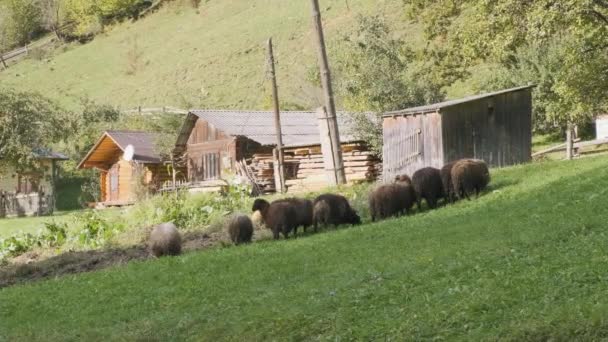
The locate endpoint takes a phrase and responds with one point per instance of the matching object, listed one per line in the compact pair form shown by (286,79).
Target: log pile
(360,165)
(263,172)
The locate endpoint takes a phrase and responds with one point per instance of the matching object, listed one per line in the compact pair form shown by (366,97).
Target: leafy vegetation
(523,262)
(561,46)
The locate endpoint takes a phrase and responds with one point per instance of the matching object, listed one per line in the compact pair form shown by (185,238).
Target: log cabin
(122,178)
(217,142)
(495,127)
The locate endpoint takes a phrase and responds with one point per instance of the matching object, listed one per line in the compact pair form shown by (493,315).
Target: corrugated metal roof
(143,144)
(437,106)
(299,128)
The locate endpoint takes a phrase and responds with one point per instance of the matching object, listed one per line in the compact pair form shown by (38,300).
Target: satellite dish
(129,153)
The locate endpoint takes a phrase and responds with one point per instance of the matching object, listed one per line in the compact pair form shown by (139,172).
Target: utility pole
(330,107)
(277,121)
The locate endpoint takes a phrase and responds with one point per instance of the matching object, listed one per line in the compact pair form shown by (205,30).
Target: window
(211,166)
(27,183)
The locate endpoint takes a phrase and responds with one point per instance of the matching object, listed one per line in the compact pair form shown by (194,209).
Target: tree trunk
(569,142)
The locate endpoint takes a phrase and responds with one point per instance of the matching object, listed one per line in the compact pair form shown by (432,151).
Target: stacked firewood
(360,165)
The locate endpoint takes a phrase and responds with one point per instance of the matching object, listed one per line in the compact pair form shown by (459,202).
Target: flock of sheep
(456,180)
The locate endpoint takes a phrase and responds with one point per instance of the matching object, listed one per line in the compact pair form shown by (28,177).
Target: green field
(213,58)
(526,261)
(12,226)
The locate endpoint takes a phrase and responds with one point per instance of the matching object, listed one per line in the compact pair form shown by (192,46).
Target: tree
(379,73)
(21,21)
(561,45)
(28,122)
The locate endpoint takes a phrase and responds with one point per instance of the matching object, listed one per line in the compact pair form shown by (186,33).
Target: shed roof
(45,153)
(299,128)
(113,142)
(438,106)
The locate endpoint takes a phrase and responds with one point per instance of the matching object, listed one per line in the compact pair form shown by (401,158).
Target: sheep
(333,209)
(165,239)
(446,180)
(469,175)
(392,199)
(280,217)
(240,229)
(304,212)
(427,184)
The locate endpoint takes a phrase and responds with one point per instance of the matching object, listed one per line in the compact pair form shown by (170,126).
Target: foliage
(94,229)
(28,123)
(21,20)
(563,45)
(377,72)
(524,262)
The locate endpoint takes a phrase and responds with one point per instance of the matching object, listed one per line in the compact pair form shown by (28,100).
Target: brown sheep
(240,229)
(446,180)
(469,175)
(280,217)
(427,184)
(333,209)
(304,212)
(391,200)
(165,239)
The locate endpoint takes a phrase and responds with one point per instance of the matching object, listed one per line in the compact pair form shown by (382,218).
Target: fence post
(569,142)
(3,62)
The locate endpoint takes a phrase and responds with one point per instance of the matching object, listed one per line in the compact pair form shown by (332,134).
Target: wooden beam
(277,121)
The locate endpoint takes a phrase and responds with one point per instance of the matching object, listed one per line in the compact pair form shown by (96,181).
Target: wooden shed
(495,127)
(216,141)
(120,178)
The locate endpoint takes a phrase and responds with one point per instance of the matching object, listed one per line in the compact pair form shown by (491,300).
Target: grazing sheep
(165,239)
(304,212)
(427,184)
(333,209)
(391,200)
(240,229)
(280,217)
(446,180)
(258,221)
(469,175)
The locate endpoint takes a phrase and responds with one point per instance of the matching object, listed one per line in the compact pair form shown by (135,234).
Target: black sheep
(304,211)
(240,229)
(391,200)
(446,181)
(427,184)
(470,175)
(280,217)
(333,209)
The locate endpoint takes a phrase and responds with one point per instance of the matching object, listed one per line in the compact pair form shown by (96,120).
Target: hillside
(213,58)
(526,261)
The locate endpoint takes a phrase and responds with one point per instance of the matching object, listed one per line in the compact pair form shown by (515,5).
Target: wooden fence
(155,110)
(22,52)
(16,205)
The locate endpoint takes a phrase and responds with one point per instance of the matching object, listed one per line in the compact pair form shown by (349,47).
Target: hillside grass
(11,226)
(526,261)
(213,57)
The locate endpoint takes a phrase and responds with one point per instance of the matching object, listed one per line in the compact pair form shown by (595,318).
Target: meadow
(525,261)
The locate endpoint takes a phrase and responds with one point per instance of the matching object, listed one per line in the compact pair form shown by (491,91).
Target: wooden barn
(495,127)
(120,178)
(217,141)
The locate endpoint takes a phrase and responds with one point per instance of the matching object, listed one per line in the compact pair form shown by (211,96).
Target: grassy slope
(12,226)
(212,59)
(525,261)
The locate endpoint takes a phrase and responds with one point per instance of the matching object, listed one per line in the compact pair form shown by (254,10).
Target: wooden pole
(569,142)
(277,120)
(330,106)
(3,62)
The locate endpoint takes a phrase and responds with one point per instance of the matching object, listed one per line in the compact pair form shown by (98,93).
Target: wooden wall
(206,140)
(410,143)
(496,129)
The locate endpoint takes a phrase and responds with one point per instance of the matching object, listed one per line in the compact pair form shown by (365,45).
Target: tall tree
(28,122)
(562,45)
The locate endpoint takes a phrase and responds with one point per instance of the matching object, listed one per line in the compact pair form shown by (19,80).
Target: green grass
(214,58)
(526,261)
(10,226)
